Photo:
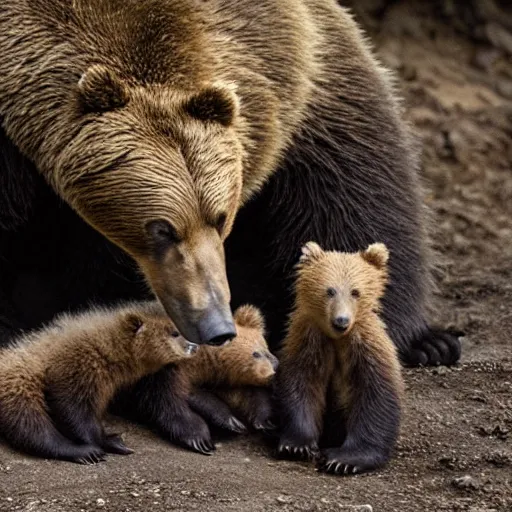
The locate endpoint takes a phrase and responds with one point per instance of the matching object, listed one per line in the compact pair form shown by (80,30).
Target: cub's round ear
(310,251)
(376,255)
(101,89)
(134,323)
(249,316)
(216,103)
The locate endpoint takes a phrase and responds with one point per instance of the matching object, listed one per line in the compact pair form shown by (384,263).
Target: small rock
(440,370)
(465,482)
(135,494)
(284,499)
(100,502)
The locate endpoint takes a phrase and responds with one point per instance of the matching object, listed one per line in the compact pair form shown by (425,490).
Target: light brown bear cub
(56,383)
(219,380)
(350,369)
(233,377)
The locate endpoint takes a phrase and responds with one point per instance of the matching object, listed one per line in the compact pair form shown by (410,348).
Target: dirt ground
(455,450)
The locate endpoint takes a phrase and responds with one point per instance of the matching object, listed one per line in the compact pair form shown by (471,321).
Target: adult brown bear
(134,130)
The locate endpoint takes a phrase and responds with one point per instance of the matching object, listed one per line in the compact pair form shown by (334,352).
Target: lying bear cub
(350,368)
(56,383)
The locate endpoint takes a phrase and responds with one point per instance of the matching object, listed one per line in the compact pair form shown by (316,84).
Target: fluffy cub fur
(348,399)
(216,382)
(66,374)
(238,374)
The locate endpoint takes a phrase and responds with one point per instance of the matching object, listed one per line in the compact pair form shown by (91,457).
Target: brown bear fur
(348,363)
(239,374)
(234,377)
(155,120)
(69,371)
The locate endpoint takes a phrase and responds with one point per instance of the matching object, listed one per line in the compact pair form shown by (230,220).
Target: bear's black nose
(341,323)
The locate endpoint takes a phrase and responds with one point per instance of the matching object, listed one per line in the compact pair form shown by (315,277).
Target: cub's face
(156,341)
(247,359)
(338,289)
(158,171)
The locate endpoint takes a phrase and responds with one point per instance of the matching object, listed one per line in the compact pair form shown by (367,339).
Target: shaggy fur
(349,366)
(55,384)
(219,380)
(191,110)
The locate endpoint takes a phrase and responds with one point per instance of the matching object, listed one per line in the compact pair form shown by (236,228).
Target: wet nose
(273,361)
(341,323)
(215,328)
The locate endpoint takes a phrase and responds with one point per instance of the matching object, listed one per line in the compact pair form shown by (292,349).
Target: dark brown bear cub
(66,374)
(349,366)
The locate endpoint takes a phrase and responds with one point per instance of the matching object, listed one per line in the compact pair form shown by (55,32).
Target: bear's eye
(220,222)
(355,294)
(162,232)
(173,332)
(257,355)
(331,292)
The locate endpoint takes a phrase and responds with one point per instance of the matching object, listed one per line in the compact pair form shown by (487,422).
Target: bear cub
(351,372)
(234,377)
(56,383)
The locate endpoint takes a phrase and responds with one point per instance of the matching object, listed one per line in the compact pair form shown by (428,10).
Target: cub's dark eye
(355,294)
(257,355)
(173,332)
(162,232)
(331,292)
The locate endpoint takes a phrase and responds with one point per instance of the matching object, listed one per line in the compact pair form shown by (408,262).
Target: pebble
(284,499)
(465,482)
(100,502)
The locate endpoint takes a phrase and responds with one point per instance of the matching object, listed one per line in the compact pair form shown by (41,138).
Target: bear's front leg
(161,400)
(304,372)
(370,390)
(254,405)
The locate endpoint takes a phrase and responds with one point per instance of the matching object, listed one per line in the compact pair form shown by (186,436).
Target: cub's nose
(341,323)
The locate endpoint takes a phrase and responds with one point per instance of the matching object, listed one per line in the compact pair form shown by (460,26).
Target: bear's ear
(134,323)
(217,103)
(310,251)
(100,90)
(376,255)
(249,316)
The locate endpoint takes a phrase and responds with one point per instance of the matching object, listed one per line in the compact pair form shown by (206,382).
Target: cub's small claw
(205,447)
(298,452)
(265,426)
(236,426)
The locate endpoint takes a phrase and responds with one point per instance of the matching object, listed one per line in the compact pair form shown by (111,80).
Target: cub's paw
(340,461)
(235,425)
(297,449)
(435,347)
(89,455)
(264,425)
(192,432)
(112,443)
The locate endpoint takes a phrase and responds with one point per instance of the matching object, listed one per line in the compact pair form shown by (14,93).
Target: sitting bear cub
(350,367)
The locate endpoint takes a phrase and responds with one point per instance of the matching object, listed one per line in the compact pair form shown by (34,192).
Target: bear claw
(265,426)
(205,447)
(236,426)
(436,347)
(339,461)
(298,452)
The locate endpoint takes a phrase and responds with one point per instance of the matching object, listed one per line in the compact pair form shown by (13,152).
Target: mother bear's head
(158,171)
